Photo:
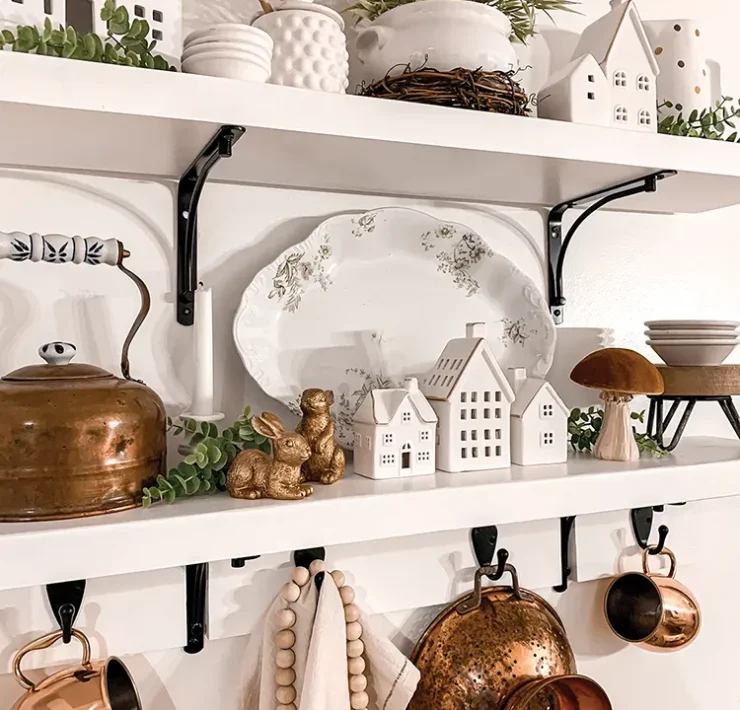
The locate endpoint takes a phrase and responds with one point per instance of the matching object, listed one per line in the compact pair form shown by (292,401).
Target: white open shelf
(356,510)
(80,116)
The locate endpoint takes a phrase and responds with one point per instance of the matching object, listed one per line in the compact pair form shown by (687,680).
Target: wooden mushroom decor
(619,374)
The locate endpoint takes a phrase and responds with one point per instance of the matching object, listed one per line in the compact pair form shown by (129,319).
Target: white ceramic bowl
(229,65)
(257,53)
(692,352)
(229,33)
(691,324)
(692,334)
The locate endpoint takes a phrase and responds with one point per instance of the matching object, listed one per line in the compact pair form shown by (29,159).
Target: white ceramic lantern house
(395,433)
(472,398)
(539,422)
(611,80)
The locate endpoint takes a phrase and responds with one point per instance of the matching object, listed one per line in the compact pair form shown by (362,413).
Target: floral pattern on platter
(516,332)
(364,224)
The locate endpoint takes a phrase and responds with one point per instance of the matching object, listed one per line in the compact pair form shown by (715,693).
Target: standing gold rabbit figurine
(326,463)
(253,474)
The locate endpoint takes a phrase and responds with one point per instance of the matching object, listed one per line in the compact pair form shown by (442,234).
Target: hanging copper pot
(486,645)
(74,439)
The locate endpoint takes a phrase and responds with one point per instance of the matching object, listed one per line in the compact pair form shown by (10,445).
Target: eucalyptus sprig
(522,13)
(714,123)
(126,43)
(584,427)
(205,469)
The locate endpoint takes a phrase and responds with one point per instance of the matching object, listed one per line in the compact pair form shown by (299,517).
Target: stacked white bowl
(232,51)
(693,342)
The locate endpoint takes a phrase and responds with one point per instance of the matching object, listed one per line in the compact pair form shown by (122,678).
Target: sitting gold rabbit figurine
(253,474)
(327,457)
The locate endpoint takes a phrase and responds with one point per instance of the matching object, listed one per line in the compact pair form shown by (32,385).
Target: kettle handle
(60,249)
(46,642)
(473,601)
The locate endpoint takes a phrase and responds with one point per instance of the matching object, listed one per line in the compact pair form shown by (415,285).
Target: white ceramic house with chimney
(395,433)
(539,422)
(472,399)
(611,80)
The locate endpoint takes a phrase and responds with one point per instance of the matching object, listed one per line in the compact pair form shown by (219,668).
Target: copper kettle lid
(57,356)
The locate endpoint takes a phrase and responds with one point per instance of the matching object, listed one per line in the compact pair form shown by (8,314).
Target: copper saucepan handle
(472,602)
(60,249)
(46,642)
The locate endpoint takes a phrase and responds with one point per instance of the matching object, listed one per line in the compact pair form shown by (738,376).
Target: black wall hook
(566,530)
(642,525)
(304,558)
(65,599)
(484,546)
(196,597)
(239,562)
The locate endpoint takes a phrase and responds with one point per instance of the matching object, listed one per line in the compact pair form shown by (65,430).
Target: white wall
(622,270)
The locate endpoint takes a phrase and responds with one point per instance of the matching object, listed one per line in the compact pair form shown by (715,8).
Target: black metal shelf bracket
(239,562)
(196,596)
(557,245)
(567,524)
(188,196)
(65,599)
(484,542)
(304,558)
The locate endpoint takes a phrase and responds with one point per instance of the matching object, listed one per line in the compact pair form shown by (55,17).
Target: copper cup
(652,610)
(99,685)
(567,692)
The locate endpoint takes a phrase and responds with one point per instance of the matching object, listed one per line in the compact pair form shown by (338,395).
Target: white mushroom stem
(616,441)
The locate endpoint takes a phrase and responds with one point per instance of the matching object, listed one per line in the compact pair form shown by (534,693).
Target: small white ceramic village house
(472,398)
(611,80)
(539,422)
(395,433)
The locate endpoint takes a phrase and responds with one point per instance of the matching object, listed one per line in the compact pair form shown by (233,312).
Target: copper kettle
(74,439)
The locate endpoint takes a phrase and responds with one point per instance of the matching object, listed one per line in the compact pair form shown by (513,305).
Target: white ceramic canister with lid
(310,48)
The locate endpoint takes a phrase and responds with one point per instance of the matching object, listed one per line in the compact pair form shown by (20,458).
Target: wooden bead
(354,630)
(347,594)
(290,592)
(355,649)
(351,612)
(285,639)
(357,683)
(290,706)
(285,694)
(338,577)
(317,566)
(356,665)
(284,658)
(359,701)
(301,576)
(286,618)
(285,676)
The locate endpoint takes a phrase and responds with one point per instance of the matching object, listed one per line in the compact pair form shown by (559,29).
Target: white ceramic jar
(440,34)
(310,49)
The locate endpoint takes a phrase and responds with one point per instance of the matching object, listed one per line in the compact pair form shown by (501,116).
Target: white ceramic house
(611,80)
(163,16)
(539,422)
(472,398)
(395,433)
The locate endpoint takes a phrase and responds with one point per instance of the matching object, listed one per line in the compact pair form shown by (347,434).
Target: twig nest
(317,566)
(285,639)
(354,630)
(338,577)
(285,694)
(284,658)
(356,666)
(285,676)
(348,595)
(357,683)
(286,618)
(290,592)
(301,576)
(355,649)
(351,611)
(359,701)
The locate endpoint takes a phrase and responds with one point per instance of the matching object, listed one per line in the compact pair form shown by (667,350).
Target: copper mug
(565,692)
(99,685)
(652,610)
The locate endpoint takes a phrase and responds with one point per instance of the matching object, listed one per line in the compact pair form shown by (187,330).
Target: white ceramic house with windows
(539,422)
(611,80)
(472,398)
(395,433)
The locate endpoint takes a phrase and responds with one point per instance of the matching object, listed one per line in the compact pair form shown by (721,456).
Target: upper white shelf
(356,510)
(79,116)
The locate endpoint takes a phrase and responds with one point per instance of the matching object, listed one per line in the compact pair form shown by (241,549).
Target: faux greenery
(520,12)
(204,470)
(584,427)
(126,43)
(715,123)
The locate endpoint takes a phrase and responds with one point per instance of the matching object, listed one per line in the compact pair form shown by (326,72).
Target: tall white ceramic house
(612,78)
(472,398)
(395,433)
(539,422)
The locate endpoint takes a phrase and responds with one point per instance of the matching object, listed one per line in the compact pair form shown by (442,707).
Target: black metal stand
(557,246)
(188,196)
(65,599)
(484,542)
(566,529)
(304,558)
(196,594)
(657,424)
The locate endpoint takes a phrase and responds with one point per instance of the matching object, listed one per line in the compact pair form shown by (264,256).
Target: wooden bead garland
(285,640)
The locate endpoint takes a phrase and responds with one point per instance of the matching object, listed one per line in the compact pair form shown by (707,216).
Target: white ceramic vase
(310,49)
(440,34)
(684,77)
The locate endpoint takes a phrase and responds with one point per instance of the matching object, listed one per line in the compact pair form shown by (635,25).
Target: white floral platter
(368,299)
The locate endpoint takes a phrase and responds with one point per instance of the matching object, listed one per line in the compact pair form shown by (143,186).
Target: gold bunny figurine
(253,474)
(326,463)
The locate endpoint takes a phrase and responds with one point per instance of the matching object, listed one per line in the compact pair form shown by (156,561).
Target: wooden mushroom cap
(618,370)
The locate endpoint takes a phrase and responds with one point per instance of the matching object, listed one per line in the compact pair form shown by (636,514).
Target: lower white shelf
(357,509)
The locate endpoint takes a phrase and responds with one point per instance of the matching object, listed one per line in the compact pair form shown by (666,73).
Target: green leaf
(161,63)
(247,434)
(575,413)
(48,29)
(155,493)
(110,56)
(152,46)
(218,465)
(89,47)
(214,453)
(732,138)
(180,482)
(143,30)
(146,501)
(190,459)
(106,12)
(8,36)
(187,470)
(169,497)
(163,483)
(202,459)
(207,486)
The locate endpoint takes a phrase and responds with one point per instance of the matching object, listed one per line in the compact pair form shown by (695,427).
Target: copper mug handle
(60,249)
(472,602)
(46,642)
